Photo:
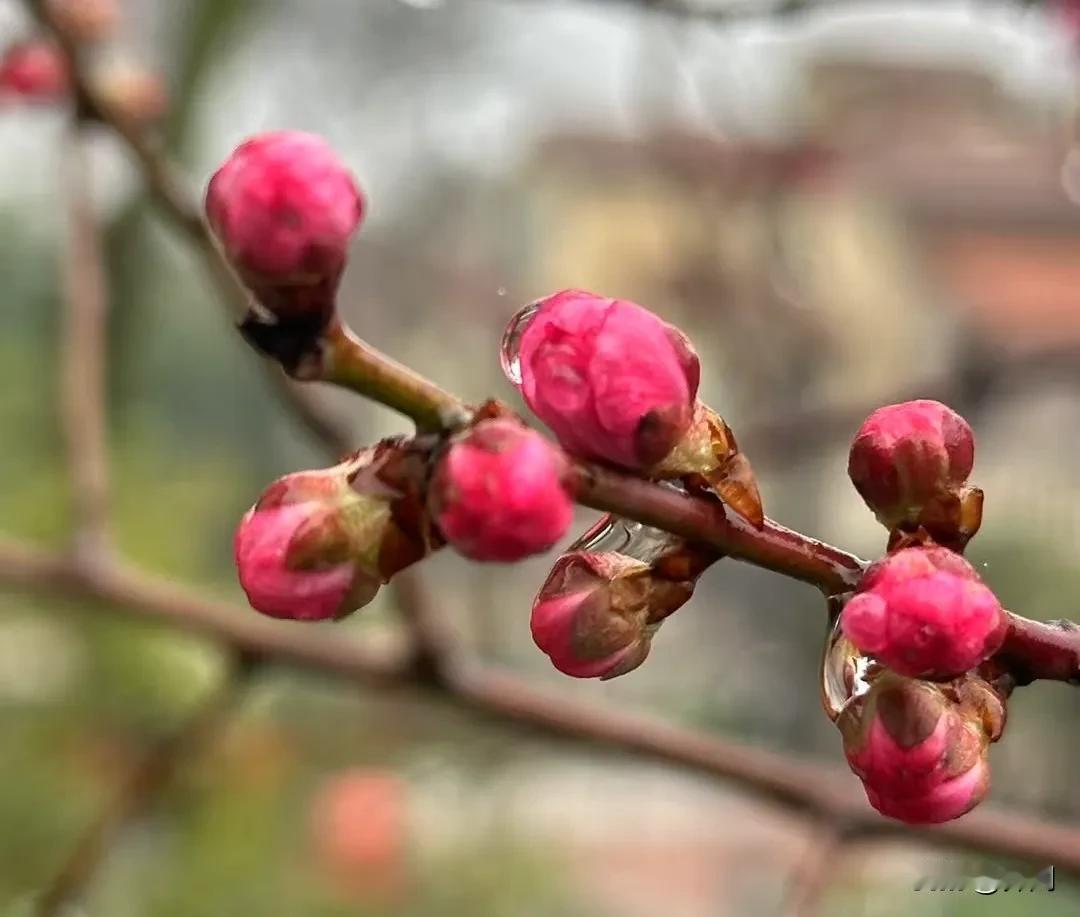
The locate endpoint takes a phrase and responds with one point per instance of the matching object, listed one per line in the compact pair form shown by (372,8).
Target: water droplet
(845,672)
(501,291)
(623,536)
(511,341)
(422,4)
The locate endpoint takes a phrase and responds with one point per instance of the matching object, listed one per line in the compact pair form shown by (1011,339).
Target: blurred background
(843,203)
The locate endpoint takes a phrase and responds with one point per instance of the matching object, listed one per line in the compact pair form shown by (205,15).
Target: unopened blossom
(923,611)
(300,551)
(910,462)
(612,380)
(359,832)
(318,544)
(33,71)
(596,614)
(284,207)
(498,492)
(920,748)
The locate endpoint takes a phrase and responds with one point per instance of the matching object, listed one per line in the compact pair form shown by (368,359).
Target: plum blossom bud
(910,462)
(359,832)
(498,493)
(920,748)
(85,20)
(33,71)
(319,544)
(924,612)
(612,381)
(283,207)
(596,614)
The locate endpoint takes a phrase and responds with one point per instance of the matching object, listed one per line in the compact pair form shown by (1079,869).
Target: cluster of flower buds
(917,723)
(319,544)
(912,644)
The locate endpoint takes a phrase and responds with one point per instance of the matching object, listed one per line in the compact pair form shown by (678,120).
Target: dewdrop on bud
(596,614)
(610,379)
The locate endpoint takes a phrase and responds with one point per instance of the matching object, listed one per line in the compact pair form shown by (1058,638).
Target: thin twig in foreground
(140,789)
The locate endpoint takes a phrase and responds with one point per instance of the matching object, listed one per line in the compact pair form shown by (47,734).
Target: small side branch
(82,358)
(139,791)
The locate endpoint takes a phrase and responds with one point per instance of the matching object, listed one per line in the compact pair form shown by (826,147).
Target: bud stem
(356,365)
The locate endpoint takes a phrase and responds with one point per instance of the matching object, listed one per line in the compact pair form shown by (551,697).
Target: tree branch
(1039,650)
(793,784)
(139,791)
(82,357)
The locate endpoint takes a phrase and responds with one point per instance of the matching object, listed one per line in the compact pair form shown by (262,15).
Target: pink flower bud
(318,544)
(34,71)
(596,614)
(498,492)
(909,463)
(924,612)
(283,207)
(919,750)
(611,380)
(359,829)
(293,551)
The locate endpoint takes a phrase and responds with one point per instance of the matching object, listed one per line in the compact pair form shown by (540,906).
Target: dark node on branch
(295,342)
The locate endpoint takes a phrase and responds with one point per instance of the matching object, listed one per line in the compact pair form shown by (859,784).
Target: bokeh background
(844,205)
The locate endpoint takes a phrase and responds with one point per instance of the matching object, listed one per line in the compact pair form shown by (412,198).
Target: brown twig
(810,879)
(82,358)
(808,788)
(1045,652)
(773,546)
(139,790)
(804,787)
(178,200)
